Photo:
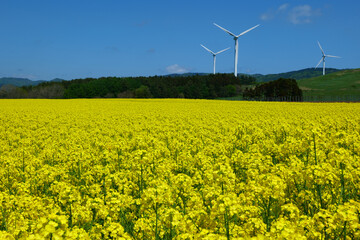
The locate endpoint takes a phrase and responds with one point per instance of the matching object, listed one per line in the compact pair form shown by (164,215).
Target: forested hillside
(297,75)
(196,86)
(19,82)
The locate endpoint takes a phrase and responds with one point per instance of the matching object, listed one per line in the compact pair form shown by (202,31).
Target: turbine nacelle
(323,58)
(214,54)
(236,42)
(236,36)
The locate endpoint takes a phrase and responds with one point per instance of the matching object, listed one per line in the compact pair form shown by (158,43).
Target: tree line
(282,89)
(196,86)
(193,86)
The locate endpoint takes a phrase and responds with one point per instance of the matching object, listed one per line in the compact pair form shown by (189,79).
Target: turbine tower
(236,42)
(323,58)
(214,54)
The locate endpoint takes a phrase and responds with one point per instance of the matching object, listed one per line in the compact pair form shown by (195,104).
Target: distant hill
(189,74)
(57,80)
(300,74)
(19,82)
(341,85)
(297,75)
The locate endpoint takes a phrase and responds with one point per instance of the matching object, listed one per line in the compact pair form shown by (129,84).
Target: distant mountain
(57,80)
(300,74)
(19,82)
(185,74)
(297,75)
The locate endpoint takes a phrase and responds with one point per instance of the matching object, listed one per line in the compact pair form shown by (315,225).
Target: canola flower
(179,169)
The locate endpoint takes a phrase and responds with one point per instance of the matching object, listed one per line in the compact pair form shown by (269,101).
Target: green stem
(70,218)
(141,179)
(3,226)
(315,149)
(23,166)
(268,223)
(119,152)
(342,181)
(226,219)
(171,227)
(318,188)
(156,220)
(104,189)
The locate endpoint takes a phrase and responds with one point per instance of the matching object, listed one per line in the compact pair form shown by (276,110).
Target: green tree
(143,92)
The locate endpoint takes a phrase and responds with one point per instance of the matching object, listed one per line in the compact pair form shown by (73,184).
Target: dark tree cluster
(196,86)
(193,86)
(279,90)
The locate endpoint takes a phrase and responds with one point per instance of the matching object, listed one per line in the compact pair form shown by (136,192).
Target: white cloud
(175,68)
(300,14)
(270,14)
(267,16)
(283,7)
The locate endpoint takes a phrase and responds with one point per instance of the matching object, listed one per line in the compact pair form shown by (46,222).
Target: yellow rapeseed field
(179,169)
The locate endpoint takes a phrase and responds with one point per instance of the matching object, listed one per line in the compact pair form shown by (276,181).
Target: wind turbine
(323,58)
(214,54)
(236,42)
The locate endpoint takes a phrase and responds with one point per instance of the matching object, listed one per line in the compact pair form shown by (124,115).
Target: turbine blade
(319,62)
(332,56)
(225,30)
(247,30)
(207,49)
(321,48)
(222,51)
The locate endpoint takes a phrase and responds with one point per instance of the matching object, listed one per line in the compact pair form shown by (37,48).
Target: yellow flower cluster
(179,169)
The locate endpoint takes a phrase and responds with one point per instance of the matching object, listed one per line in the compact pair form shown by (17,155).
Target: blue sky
(46,39)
